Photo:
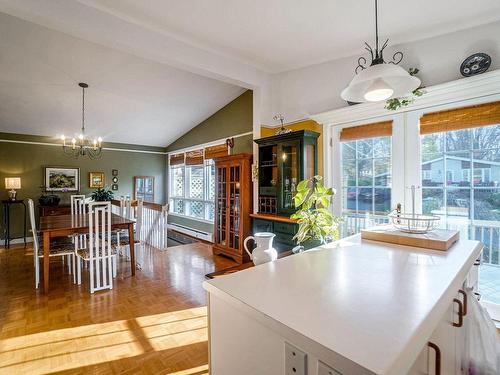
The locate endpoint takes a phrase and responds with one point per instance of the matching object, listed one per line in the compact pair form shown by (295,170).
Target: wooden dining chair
(59,248)
(98,250)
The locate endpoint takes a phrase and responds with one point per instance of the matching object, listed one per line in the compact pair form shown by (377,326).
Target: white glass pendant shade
(376,82)
(378,90)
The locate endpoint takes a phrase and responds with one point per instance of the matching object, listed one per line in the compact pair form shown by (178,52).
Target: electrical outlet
(326,370)
(295,361)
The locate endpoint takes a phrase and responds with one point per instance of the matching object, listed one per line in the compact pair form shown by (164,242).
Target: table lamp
(12,183)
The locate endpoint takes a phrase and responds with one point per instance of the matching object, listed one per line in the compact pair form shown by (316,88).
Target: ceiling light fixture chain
(83,146)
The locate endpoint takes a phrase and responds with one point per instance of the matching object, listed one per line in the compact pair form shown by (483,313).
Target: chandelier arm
(384,45)
(361,64)
(397,58)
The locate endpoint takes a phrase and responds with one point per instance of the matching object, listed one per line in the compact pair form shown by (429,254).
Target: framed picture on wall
(114,172)
(144,188)
(114,187)
(96,179)
(62,179)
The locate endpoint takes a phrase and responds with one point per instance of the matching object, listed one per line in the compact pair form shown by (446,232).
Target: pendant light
(83,146)
(380,80)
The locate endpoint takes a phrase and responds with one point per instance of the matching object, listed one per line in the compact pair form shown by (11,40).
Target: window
(192,190)
(366,175)
(462,153)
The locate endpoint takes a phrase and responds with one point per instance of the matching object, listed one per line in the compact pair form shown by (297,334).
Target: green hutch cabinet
(284,160)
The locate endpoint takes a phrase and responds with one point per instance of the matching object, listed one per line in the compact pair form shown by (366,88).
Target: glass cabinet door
(289,163)
(234,206)
(221,219)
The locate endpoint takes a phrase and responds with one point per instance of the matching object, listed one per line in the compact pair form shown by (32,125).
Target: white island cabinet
(355,307)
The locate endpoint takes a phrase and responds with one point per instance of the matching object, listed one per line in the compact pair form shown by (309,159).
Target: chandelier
(380,80)
(83,146)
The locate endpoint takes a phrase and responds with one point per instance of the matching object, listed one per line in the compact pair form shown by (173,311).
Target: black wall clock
(475,64)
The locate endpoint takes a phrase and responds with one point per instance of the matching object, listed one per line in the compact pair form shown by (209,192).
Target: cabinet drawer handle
(460,313)
(437,370)
(465,300)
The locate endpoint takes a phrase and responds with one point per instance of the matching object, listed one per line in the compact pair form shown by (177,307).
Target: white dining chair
(122,242)
(60,248)
(125,212)
(98,250)
(78,207)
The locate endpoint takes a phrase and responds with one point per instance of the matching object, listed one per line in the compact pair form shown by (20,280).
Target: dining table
(66,225)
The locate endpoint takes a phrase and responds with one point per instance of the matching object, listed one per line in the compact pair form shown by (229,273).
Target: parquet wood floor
(153,323)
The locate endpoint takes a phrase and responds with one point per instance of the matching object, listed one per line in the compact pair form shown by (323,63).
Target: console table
(7,203)
(55,210)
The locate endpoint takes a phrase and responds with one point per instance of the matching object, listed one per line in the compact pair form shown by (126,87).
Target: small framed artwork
(96,179)
(115,180)
(62,179)
(114,172)
(114,187)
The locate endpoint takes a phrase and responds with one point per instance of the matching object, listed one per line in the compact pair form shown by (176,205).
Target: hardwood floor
(153,323)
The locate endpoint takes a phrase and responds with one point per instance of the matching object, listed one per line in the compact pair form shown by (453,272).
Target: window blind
(216,151)
(461,118)
(194,157)
(176,159)
(378,129)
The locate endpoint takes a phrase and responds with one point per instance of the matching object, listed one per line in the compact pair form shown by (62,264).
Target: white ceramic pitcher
(264,252)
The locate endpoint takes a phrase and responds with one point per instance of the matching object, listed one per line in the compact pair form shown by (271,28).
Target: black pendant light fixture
(380,80)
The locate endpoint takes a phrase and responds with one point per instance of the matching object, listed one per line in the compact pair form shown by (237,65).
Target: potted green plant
(48,199)
(102,195)
(317,225)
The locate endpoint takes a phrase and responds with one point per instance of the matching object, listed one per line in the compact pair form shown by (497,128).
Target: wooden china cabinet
(233,205)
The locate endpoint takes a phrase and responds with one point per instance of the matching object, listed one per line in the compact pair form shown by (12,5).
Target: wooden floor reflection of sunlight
(155,323)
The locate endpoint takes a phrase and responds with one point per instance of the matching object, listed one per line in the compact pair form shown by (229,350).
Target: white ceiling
(156,68)
(278,35)
(130,99)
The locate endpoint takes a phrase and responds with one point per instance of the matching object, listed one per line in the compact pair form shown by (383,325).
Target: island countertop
(373,303)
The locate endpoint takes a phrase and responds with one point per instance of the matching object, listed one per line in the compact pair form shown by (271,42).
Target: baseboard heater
(192,232)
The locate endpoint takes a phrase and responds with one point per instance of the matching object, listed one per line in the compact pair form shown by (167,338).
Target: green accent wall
(235,118)
(27,161)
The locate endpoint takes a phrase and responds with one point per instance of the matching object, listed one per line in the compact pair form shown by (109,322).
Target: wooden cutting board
(438,239)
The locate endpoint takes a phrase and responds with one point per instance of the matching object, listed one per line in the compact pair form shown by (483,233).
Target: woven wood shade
(378,129)
(216,151)
(461,118)
(177,159)
(194,157)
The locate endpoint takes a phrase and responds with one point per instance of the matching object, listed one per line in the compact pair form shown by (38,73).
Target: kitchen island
(352,307)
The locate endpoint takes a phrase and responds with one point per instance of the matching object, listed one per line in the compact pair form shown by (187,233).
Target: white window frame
(185,197)
(406,155)
(372,186)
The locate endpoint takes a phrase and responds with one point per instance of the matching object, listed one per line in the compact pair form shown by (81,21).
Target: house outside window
(463,153)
